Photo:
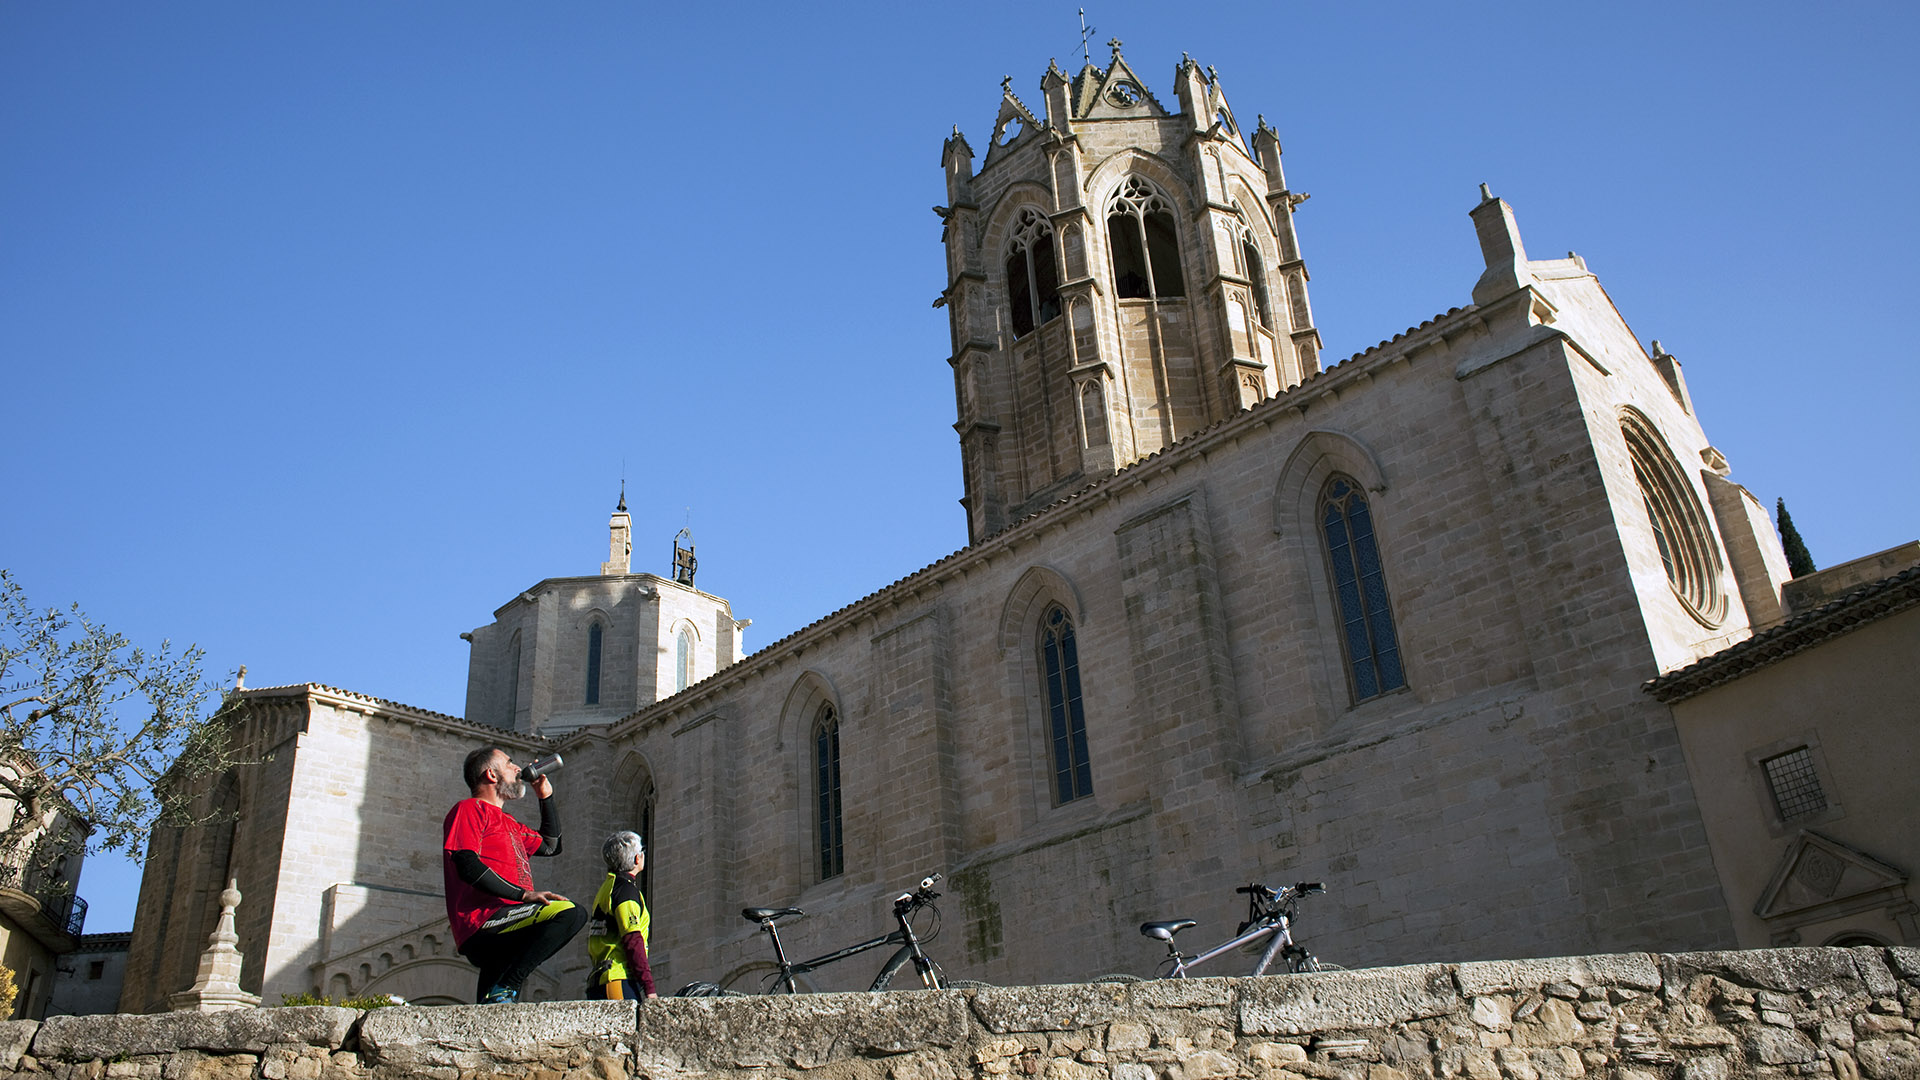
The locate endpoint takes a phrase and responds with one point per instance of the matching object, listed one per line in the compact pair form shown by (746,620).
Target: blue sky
(327,328)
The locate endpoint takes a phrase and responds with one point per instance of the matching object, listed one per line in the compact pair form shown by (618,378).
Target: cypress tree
(1799,559)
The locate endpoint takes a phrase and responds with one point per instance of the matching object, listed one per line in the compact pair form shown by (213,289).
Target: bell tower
(1119,276)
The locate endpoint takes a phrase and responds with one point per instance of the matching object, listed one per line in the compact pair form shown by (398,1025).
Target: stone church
(1225,615)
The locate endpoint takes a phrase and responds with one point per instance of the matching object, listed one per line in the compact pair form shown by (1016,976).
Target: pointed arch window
(1066,718)
(1256,275)
(682,660)
(596,636)
(1144,242)
(1033,278)
(1360,586)
(830,838)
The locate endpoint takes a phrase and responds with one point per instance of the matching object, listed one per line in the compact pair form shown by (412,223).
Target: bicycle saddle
(1164,930)
(768,914)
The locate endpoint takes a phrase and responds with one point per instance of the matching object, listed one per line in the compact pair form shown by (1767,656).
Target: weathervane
(1086,56)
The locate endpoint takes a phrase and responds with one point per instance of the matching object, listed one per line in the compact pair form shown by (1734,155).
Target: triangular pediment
(1816,871)
(1121,94)
(1015,124)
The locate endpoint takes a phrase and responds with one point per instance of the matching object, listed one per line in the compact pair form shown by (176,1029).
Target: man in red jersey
(502,923)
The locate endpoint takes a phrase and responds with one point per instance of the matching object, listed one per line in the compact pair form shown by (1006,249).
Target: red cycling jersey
(503,845)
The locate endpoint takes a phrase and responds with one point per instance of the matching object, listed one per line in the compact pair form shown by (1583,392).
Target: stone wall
(1842,1013)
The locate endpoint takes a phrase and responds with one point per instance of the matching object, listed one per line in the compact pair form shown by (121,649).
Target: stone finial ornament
(217,986)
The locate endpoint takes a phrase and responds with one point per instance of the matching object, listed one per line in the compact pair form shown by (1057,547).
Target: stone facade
(1839,1013)
(1804,748)
(536,667)
(334,838)
(1549,528)
(88,979)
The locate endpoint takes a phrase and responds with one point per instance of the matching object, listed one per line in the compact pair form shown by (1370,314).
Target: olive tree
(89,724)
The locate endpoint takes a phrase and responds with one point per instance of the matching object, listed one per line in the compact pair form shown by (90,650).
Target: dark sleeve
(549,828)
(637,968)
(468,867)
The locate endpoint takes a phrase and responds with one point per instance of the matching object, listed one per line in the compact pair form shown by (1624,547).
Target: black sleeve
(549,828)
(468,867)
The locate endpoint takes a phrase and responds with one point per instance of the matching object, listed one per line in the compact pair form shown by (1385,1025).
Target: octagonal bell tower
(1119,276)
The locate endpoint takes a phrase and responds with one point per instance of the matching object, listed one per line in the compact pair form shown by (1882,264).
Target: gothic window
(1033,281)
(1360,588)
(682,660)
(1093,413)
(1066,720)
(643,824)
(1681,535)
(1146,248)
(595,636)
(1256,274)
(826,791)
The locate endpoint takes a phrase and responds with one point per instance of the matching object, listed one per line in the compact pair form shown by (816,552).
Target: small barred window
(1794,784)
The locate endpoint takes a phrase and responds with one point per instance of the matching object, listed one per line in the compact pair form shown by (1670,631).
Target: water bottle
(541,766)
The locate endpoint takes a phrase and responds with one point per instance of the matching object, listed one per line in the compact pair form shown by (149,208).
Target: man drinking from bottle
(501,923)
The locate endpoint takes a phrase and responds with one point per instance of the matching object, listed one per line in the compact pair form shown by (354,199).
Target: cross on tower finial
(1114,43)
(1006,83)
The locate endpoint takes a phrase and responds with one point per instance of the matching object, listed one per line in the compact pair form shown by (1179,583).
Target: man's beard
(512,789)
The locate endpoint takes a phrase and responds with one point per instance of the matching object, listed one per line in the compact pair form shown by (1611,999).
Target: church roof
(395,709)
(1329,379)
(1869,603)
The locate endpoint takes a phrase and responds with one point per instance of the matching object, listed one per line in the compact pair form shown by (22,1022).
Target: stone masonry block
(15,1037)
(1299,1004)
(83,1038)
(477,1036)
(1633,971)
(804,1031)
(1770,969)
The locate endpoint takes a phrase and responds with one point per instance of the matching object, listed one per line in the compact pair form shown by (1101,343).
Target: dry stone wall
(1848,1014)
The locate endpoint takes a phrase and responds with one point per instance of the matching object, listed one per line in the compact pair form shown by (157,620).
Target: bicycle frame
(903,908)
(1269,915)
(1280,932)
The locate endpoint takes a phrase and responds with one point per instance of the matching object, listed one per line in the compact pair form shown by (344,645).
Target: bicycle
(787,975)
(1270,915)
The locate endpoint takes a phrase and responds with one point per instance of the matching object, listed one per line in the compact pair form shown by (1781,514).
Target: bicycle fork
(922,963)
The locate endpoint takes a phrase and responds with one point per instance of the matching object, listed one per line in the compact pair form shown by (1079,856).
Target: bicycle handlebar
(1304,888)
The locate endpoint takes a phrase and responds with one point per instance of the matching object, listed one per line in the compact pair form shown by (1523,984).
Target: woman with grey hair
(617,935)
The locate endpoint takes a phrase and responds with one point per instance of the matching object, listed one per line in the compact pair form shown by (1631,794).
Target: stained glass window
(1360,586)
(1066,720)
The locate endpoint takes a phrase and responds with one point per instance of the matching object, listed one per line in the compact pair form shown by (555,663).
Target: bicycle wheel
(1314,963)
(1116,978)
(763,977)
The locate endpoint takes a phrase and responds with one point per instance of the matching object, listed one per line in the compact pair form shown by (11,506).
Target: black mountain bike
(790,977)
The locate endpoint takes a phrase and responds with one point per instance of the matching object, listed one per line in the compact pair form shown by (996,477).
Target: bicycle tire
(763,977)
(965,984)
(1117,978)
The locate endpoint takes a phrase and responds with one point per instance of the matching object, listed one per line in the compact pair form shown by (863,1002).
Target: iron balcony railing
(59,904)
